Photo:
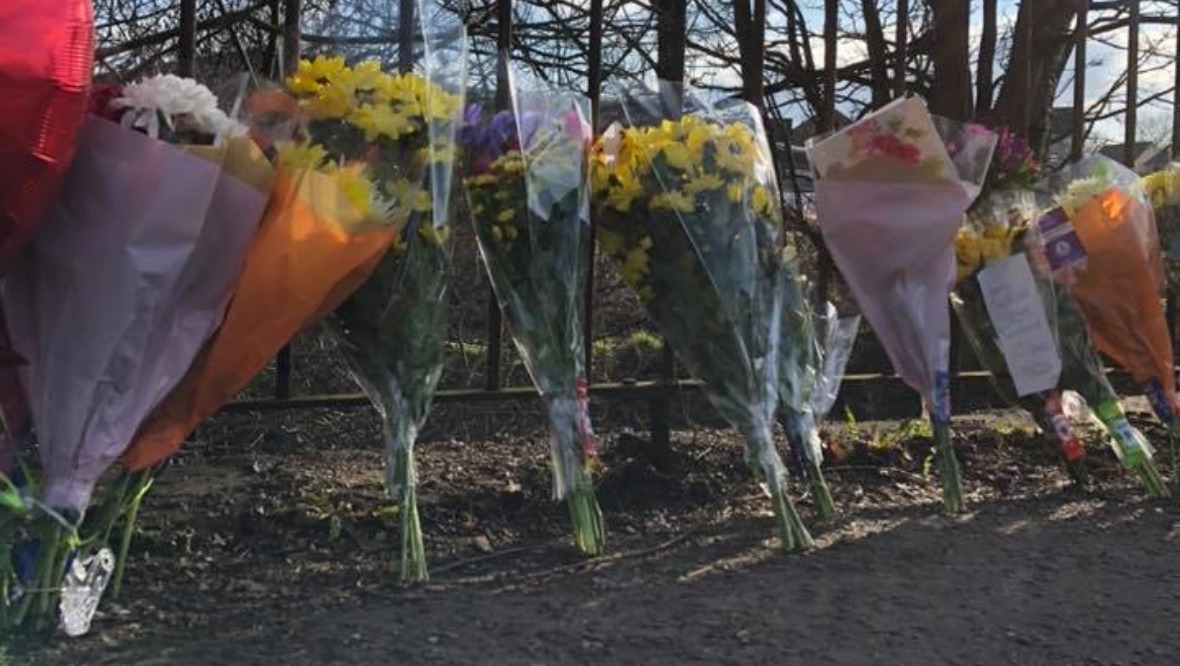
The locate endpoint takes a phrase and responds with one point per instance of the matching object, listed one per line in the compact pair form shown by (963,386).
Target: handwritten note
(1022,330)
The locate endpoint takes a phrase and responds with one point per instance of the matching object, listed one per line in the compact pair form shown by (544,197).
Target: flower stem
(413,566)
(139,490)
(1174,454)
(824,504)
(795,536)
(589,530)
(952,481)
(1153,483)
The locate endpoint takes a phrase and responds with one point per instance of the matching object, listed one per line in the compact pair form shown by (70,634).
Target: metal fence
(657,393)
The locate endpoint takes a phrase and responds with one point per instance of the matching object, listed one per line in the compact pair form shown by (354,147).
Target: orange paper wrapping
(301,265)
(1120,288)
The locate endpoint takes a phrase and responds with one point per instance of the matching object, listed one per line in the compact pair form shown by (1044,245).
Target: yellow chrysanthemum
(610,242)
(634,266)
(434,235)
(377,120)
(735,192)
(330,103)
(312,75)
(761,201)
(359,192)
(482,180)
(1163,187)
(624,193)
(368,80)
(408,198)
(678,156)
(703,183)
(674,201)
(994,248)
(967,253)
(699,137)
(297,156)
(994,231)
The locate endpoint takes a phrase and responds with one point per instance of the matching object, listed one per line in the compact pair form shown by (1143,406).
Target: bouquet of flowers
(529,204)
(1026,333)
(128,277)
(1163,188)
(1101,243)
(328,223)
(890,199)
(813,354)
(393,329)
(689,207)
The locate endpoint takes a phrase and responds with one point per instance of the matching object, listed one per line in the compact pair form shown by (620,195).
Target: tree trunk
(1042,42)
(950,53)
(751,32)
(878,52)
(985,83)
(672,24)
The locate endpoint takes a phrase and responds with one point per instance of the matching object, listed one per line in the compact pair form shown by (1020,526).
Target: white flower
(175,97)
(612,143)
(1079,192)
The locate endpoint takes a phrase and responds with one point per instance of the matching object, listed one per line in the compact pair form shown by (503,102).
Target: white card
(1018,316)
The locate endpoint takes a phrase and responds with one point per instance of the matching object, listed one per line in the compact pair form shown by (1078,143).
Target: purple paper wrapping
(128,278)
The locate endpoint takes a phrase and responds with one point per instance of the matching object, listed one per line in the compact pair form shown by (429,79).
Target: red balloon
(46,58)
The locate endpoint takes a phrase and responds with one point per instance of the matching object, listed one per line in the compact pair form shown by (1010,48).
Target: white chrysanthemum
(1080,192)
(174,96)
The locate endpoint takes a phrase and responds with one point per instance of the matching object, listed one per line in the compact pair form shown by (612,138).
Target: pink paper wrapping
(894,245)
(129,276)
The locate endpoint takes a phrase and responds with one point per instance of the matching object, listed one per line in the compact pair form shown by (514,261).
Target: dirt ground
(269,542)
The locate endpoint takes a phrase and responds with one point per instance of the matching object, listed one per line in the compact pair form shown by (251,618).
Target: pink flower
(577,127)
(888,144)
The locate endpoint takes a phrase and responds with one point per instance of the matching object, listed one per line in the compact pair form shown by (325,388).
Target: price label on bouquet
(1063,248)
(1018,315)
